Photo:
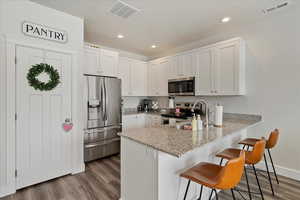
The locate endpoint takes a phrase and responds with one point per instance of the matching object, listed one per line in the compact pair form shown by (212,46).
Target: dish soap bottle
(194,123)
(199,123)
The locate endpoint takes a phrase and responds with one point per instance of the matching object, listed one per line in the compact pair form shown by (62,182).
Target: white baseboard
(283,171)
(7,191)
(79,169)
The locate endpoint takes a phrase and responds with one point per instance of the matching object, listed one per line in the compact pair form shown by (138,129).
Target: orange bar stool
(252,157)
(271,143)
(215,176)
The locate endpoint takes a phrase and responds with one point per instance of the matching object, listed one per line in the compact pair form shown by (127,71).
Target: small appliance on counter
(145,105)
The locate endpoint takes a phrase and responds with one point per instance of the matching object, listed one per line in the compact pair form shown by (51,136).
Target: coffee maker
(145,105)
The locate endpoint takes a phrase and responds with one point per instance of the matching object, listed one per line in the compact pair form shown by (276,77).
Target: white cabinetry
(109,62)
(158,77)
(100,61)
(182,66)
(92,61)
(153,121)
(137,159)
(221,69)
(141,121)
(134,77)
(133,121)
(230,68)
(139,78)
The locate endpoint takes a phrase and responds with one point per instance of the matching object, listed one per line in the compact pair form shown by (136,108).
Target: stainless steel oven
(181,87)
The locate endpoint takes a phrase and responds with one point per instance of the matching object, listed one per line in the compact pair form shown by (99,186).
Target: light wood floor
(101,181)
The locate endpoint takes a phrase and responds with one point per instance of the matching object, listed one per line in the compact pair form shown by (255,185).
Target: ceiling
(165,23)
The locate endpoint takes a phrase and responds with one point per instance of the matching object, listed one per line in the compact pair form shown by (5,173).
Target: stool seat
(204,173)
(234,153)
(249,141)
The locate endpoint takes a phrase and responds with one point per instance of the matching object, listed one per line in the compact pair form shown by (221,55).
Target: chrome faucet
(205,103)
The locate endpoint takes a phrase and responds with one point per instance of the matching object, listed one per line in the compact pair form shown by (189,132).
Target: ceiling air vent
(122,9)
(277,5)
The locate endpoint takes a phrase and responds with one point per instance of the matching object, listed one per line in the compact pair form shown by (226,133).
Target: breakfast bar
(153,158)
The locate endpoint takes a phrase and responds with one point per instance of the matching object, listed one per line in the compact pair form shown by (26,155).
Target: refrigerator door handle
(102,101)
(105,99)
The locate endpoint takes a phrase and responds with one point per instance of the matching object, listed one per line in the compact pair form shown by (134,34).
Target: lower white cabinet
(141,121)
(153,121)
(139,166)
(133,121)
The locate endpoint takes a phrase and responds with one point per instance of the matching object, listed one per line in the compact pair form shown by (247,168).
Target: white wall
(12,14)
(273,71)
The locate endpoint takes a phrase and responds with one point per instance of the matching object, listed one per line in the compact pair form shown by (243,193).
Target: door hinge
(16,116)
(16,173)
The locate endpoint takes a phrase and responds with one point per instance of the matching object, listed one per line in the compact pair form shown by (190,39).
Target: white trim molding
(283,171)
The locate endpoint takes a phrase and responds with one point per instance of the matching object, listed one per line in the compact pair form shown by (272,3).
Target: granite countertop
(178,142)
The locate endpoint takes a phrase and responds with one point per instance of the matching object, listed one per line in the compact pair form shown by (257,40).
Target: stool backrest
(257,153)
(273,139)
(231,173)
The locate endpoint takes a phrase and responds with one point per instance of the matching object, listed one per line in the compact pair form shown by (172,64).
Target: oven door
(182,87)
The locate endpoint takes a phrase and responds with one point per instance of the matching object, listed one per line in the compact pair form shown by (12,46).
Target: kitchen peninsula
(153,158)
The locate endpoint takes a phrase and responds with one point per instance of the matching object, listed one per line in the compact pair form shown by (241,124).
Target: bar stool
(252,157)
(271,143)
(216,176)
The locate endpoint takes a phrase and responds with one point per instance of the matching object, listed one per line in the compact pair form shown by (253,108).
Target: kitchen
(126,86)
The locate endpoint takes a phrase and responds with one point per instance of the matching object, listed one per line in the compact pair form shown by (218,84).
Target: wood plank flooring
(101,181)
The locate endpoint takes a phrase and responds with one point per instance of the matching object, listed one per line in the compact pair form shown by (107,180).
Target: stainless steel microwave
(181,87)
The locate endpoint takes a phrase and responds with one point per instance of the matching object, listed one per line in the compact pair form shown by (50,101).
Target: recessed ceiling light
(226,19)
(153,46)
(120,36)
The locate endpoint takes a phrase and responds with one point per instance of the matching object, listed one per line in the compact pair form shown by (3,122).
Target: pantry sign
(44,32)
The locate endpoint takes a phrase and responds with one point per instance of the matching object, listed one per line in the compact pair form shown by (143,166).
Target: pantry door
(43,147)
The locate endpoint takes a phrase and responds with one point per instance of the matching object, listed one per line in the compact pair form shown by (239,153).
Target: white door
(109,62)
(43,147)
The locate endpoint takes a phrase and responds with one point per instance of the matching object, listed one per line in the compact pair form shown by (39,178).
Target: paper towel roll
(219,116)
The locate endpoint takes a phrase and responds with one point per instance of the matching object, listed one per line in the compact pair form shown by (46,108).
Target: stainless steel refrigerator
(103,117)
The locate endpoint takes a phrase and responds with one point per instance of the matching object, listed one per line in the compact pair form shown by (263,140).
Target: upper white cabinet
(204,82)
(230,68)
(221,69)
(182,66)
(134,77)
(109,62)
(92,61)
(100,61)
(158,77)
(124,71)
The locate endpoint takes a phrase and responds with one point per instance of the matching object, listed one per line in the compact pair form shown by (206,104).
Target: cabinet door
(91,61)
(109,62)
(227,69)
(162,78)
(152,79)
(204,72)
(124,71)
(173,67)
(138,78)
(186,65)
